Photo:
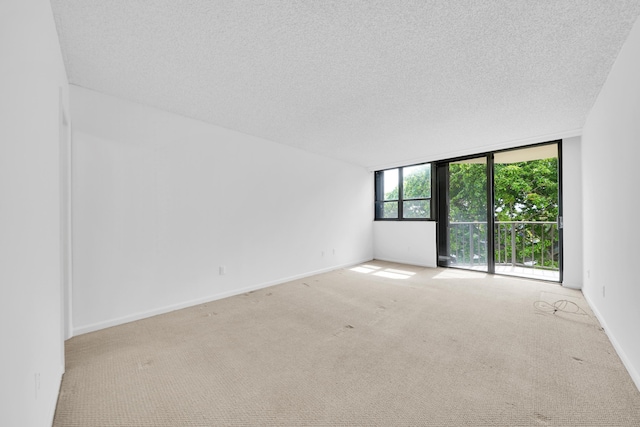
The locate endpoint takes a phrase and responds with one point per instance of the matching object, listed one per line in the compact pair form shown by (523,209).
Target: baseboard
(404,261)
(635,375)
(166,309)
(53,404)
(572,285)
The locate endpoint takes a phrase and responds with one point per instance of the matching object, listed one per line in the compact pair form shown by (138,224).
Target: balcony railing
(523,244)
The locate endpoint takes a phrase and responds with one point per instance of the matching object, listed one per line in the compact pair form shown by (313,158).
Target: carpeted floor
(376,345)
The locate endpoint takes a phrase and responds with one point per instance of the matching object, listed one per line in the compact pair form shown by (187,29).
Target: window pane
(416,209)
(468,190)
(416,183)
(391,180)
(387,210)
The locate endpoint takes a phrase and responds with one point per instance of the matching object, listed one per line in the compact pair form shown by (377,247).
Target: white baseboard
(53,403)
(572,285)
(166,309)
(635,376)
(404,261)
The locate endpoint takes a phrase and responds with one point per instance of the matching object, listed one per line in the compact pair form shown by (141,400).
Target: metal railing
(528,244)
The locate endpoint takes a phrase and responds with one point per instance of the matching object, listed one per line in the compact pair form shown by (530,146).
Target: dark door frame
(442,206)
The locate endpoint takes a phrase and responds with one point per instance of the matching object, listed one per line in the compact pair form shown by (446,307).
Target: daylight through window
(403,193)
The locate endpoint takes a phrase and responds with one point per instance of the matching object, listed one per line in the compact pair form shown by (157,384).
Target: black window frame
(379,200)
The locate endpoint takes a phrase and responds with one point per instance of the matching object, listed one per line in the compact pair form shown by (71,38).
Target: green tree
(525,191)
(416,185)
(468,190)
(528,192)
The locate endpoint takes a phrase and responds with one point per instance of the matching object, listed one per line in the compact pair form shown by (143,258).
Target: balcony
(522,248)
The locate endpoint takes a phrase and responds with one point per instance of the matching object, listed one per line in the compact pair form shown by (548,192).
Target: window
(403,193)
(387,194)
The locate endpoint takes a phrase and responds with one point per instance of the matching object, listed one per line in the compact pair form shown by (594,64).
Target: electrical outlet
(222,270)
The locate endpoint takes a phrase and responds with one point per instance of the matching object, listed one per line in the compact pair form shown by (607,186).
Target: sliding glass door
(502,213)
(527,212)
(464,233)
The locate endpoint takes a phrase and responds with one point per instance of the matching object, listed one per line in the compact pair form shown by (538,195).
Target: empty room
(319,213)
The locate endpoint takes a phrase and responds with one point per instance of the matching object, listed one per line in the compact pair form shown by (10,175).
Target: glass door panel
(526,204)
(463,235)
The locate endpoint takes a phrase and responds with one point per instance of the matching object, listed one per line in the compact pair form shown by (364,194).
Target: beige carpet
(378,345)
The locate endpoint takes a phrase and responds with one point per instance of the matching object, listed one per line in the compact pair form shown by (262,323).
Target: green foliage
(468,190)
(526,191)
(416,184)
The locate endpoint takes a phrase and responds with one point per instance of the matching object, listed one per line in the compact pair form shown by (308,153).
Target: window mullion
(386,180)
(400,193)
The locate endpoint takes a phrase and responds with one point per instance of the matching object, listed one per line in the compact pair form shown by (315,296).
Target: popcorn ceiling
(368,82)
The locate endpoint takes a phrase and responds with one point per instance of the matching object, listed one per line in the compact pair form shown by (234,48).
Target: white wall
(161,202)
(408,242)
(610,153)
(31,75)
(572,212)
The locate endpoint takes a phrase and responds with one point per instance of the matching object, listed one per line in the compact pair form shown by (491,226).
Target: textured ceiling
(370,82)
